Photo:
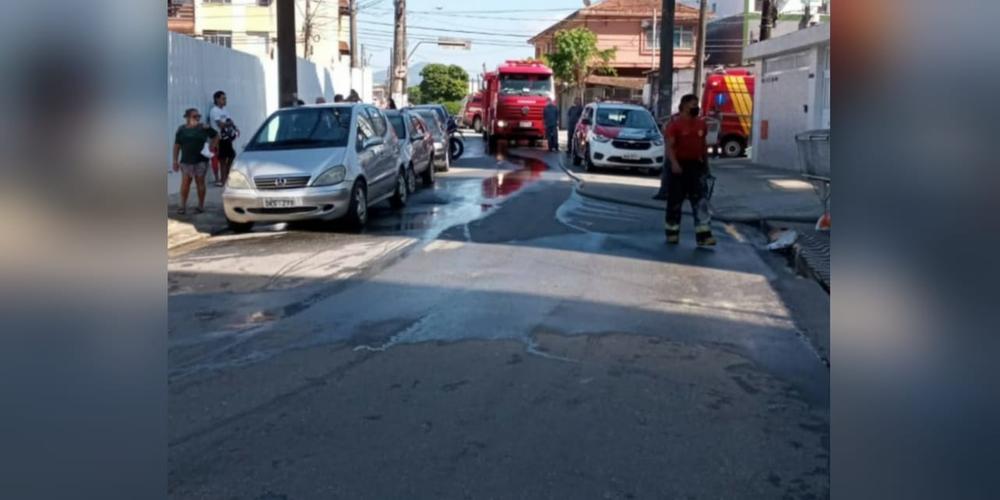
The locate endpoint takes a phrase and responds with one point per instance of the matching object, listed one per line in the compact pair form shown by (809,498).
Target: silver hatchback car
(316,162)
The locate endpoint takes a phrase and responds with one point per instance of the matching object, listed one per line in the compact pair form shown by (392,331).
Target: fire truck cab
(728,97)
(514,97)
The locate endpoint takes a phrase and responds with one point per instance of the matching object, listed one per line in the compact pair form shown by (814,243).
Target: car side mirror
(371,142)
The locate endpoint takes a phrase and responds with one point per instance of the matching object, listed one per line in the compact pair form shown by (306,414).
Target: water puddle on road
(465,195)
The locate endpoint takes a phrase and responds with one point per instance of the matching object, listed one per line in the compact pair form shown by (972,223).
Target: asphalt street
(501,337)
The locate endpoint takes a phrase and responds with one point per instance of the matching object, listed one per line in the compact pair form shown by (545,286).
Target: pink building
(628,26)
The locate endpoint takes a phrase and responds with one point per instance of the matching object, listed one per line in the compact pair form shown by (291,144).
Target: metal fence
(814,160)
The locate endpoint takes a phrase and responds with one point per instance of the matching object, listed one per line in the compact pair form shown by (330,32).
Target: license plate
(630,156)
(525,124)
(278,202)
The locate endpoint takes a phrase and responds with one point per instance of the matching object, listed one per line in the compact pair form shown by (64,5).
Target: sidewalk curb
(195,236)
(579,188)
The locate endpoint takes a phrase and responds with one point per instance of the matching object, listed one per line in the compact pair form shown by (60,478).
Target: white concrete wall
(196,69)
(792,93)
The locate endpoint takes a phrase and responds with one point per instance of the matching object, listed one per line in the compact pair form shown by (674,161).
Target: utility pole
(766,21)
(287,77)
(399,55)
(652,62)
(355,61)
(666,90)
(699,55)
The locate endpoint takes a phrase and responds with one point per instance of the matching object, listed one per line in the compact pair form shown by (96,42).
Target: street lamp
(446,43)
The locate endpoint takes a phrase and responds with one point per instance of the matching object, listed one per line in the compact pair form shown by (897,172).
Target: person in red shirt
(688,177)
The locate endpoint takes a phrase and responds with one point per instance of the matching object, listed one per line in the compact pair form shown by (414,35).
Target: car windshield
(625,117)
(540,85)
(302,128)
(397,124)
(433,122)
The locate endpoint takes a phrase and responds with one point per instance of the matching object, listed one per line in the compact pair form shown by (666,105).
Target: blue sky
(501,28)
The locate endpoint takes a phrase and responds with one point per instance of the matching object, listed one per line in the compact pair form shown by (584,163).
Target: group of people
(195,142)
(199,144)
(685,173)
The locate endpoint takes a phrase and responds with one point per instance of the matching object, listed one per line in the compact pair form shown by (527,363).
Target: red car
(472,112)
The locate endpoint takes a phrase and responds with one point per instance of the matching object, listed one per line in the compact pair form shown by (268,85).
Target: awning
(624,82)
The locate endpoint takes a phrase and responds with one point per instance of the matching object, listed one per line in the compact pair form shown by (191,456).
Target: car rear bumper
(306,203)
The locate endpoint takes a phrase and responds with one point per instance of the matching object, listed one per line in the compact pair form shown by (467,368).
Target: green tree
(575,56)
(442,83)
(415,95)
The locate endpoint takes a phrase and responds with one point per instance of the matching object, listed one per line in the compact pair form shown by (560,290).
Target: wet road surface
(501,337)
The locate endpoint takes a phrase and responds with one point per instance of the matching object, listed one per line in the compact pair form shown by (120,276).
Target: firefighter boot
(703,236)
(673,234)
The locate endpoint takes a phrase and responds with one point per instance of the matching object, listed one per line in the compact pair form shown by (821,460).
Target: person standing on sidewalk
(188,143)
(223,125)
(551,117)
(572,118)
(688,178)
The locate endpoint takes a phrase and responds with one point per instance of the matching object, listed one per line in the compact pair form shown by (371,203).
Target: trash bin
(814,163)
(814,153)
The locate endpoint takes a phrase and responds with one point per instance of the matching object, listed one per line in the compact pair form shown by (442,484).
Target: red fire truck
(728,97)
(513,99)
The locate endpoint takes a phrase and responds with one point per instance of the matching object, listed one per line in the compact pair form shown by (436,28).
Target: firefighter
(688,178)
(573,117)
(550,116)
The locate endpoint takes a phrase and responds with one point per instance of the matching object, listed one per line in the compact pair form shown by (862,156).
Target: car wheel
(411,179)
(428,175)
(239,227)
(732,147)
(357,213)
(588,164)
(401,193)
(477,124)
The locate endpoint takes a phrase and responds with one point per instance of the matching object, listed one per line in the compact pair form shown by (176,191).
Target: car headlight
(658,141)
(331,176)
(601,138)
(237,180)
(501,123)
(438,146)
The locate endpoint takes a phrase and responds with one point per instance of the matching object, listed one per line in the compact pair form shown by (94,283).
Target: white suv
(618,136)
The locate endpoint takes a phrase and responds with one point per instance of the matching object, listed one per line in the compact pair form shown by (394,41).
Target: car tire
(588,164)
(491,144)
(239,227)
(401,194)
(732,147)
(428,175)
(477,124)
(357,212)
(411,180)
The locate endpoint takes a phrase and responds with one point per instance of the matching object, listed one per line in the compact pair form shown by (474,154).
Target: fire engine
(514,97)
(728,97)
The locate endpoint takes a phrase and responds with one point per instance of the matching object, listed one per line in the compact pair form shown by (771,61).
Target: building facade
(631,27)
(251,26)
(737,25)
(792,94)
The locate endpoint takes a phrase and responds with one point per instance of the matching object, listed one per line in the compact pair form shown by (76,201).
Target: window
(365,130)
(398,126)
(377,121)
(259,41)
(625,117)
(224,38)
(303,128)
(683,37)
